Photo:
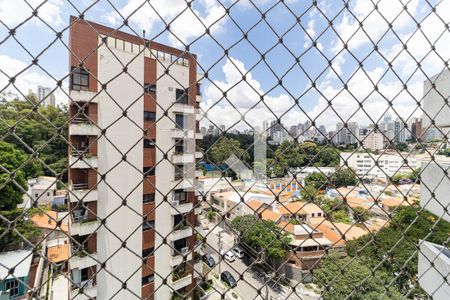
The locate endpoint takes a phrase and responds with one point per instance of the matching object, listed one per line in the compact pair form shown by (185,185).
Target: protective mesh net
(224,149)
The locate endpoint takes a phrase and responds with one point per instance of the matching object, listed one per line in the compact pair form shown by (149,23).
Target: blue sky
(36,36)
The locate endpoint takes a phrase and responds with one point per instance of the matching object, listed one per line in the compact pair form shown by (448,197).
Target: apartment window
(13,287)
(147,198)
(148,279)
(79,79)
(149,116)
(84,274)
(147,225)
(148,252)
(180,121)
(149,143)
(149,171)
(181,96)
(180,195)
(179,172)
(149,88)
(180,147)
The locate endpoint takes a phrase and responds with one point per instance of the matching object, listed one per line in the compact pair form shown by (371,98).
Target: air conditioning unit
(184,250)
(175,202)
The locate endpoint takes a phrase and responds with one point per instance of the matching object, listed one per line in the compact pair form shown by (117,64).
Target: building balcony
(198,154)
(178,133)
(81,192)
(89,291)
(198,136)
(83,261)
(83,129)
(199,230)
(433,180)
(183,183)
(84,227)
(198,98)
(178,256)
(181,233)
(83,96)
(183,108)
(182,158)
(198,269)
(434,267)
(180,283)
(198,210)
(83,162)
(180,208)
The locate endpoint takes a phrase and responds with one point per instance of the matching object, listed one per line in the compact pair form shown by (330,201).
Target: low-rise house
(231,205)
(292,211)
(15,285)
(47,222)
(307,247)
(41,190)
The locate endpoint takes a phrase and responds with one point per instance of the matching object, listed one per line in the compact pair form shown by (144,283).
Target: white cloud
(14,12)
(345,103)
(186,24)
(374,22)
(25,81)
(243,97)
(420,42)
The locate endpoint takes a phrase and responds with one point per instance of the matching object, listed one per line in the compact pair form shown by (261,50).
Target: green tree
(262,236)
(348,278)
(401,147)
(310,194)
(317,180)
(340,216)
(22,228)
(42,130)
(13,181)
(344,177)
(360,215)
(399,239)
(224,148)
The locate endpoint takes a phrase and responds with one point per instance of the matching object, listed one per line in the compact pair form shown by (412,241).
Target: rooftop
(47,220)
(20,260)
(58,253)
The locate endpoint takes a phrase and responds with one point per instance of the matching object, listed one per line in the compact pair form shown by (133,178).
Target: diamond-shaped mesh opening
(224,149)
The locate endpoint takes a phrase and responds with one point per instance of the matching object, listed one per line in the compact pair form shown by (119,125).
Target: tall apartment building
(374,140)
(365,164)
(434,259)
(46,96)
(132,138)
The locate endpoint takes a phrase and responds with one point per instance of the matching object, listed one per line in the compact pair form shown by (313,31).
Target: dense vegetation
(261,236)
(33,143)
(396,242)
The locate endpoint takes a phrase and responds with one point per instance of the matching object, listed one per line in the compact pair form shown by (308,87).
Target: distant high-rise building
(374,140)
(46,96)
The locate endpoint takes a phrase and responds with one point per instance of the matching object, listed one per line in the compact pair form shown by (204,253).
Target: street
(247,286)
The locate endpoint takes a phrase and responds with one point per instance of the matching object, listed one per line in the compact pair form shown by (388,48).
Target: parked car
(228,278)
(209,260)
(228,255)
(238,252)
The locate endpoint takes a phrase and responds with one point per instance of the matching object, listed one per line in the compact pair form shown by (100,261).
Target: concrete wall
(165,171)
(124,181)
(434,100)
(435,181)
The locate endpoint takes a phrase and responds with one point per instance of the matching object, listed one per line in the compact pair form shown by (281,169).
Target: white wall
(125,179)
(165,95)
(435,181)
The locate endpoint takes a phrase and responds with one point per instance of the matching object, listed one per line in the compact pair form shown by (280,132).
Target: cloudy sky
(325,63)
